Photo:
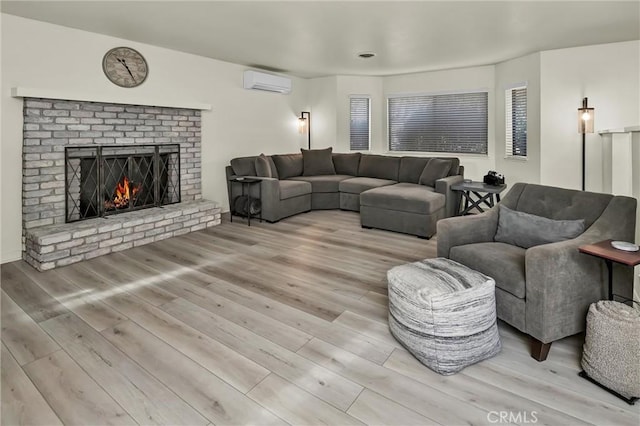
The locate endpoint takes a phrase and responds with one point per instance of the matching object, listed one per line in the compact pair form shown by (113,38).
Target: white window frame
(435,93)
(362,97)
(508,121)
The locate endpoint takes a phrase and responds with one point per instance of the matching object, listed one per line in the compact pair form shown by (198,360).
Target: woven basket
(611,354)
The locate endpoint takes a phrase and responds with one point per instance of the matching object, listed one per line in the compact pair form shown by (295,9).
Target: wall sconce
(586,117)
(304,123)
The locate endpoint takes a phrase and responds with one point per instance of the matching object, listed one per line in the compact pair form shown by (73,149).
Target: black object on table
(483,192)
(604,250)
(246,183)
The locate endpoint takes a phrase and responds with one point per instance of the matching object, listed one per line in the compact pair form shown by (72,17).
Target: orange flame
(125,191)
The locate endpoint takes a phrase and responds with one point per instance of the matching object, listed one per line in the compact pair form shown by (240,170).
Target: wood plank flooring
(270,324)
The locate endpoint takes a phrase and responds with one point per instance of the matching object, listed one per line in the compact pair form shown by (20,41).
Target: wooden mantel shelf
(26,92)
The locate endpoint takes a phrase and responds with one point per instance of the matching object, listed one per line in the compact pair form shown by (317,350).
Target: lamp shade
(302,125)
(586,117)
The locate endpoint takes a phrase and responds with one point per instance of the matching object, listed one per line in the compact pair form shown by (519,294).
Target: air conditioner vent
(256,80)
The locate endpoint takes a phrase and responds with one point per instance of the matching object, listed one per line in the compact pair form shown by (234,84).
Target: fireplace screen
(101,180)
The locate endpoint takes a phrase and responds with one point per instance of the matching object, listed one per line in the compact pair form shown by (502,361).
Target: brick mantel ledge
(51,246)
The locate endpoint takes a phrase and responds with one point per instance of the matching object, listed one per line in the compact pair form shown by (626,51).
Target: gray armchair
(544,290)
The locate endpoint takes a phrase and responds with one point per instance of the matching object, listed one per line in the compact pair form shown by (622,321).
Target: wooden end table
(483,192)
(604,250)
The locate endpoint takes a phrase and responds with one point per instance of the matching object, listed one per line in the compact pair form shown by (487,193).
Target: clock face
(125,67)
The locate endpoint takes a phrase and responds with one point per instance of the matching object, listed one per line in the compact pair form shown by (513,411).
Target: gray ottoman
(444,313)
(611,354)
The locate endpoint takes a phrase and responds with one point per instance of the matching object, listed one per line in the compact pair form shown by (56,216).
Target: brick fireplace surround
(50,125)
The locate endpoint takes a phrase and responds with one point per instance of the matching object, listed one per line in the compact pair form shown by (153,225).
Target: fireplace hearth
(103,177)
(104,180)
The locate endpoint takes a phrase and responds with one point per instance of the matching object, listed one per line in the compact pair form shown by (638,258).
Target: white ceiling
(320,38)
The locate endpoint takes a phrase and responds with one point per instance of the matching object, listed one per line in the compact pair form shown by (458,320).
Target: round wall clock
(125,67)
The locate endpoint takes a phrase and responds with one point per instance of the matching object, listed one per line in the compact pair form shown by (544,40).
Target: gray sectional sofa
(401,194)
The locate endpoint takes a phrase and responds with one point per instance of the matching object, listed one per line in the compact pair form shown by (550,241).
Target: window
(359,131)
(454,122)
(515,108)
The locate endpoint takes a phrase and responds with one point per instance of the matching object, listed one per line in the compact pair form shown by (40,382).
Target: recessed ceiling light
(366,55)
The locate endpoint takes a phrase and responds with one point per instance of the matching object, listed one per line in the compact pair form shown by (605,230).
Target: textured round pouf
(444,313)
(611,353)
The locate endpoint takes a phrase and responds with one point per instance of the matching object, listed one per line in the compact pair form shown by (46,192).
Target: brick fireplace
(155,149)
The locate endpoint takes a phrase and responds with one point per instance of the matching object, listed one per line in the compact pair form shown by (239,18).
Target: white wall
(609,75)
(46,56)
(475,78)
(322,98)
(519,70)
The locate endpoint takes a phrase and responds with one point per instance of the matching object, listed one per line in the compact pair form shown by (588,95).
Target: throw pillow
(263,168)
(527,230)
(317,162)
(436,168)
(244,166)
(346,164)
(288,165)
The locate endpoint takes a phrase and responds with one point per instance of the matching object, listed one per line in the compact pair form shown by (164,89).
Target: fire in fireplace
(125,191)
(107,179)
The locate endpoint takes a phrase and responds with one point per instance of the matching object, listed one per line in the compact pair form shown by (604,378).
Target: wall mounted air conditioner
(262,81)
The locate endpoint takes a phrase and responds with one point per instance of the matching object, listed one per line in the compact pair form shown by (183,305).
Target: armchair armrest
(562,282)
(452,198)
(457,231)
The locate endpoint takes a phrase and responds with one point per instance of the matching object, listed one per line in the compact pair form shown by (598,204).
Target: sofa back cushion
(528,230)
(411,168)
(379,166)
(316,162)
(455,166)
(557,203)
(347,164)
(244,166)
(288,165)
(263,168)
(436,168)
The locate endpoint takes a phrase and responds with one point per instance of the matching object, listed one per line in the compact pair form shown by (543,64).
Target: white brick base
(49,247)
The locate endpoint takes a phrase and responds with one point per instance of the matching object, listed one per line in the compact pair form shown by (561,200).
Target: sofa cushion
(527,230)
(359,184)
(346,164)
(455,166)
(411,168)
(379,167)
(406,197)
(244,166)
(317,162)
(263,168)
(293,188)
(436,168)
(505,263)
(272,165)
(561,203)
(288,165)
(324,183)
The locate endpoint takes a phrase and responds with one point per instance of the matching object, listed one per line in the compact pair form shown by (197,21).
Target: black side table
(484,195)
(246,183)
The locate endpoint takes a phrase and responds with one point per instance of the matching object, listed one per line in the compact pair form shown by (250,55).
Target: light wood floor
(270,324)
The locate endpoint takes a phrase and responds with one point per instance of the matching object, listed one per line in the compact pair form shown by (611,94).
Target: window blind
(455,122)
(515,107)
(359,129)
